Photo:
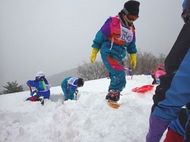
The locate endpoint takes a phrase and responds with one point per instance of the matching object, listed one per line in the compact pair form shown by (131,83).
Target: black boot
(113,95)
(41,99)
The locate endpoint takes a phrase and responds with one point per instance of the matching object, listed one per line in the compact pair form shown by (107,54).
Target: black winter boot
(41,99)
(113,95)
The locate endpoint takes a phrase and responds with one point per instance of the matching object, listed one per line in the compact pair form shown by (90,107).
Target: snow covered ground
(89,119)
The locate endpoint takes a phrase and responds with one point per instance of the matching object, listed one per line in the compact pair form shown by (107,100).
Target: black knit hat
(80,82)
(131,7)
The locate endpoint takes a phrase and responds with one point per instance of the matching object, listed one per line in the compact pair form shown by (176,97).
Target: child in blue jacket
(115,38)
(41,88)
(69,87)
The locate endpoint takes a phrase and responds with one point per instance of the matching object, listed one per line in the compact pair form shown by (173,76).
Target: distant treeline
(146,63)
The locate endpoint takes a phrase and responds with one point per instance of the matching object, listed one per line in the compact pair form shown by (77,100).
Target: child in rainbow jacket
(115,38)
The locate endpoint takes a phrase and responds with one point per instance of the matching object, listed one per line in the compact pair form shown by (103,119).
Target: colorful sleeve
(102,34)
(106,30)
(31,83)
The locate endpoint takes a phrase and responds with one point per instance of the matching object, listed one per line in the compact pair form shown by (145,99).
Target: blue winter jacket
(42,89)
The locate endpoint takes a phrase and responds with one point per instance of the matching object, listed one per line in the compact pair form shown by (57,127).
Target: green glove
(133,60)
(93,54)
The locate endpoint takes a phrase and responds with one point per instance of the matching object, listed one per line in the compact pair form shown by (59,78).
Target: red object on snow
(143,89)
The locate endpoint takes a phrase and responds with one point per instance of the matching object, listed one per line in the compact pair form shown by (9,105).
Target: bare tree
(92,71)
(146,63)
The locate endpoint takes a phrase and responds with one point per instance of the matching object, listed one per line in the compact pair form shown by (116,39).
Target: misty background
(56,35)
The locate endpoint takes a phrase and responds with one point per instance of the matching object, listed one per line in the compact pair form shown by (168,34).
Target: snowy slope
(88,119)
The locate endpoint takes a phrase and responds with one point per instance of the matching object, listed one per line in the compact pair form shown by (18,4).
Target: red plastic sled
(143,89)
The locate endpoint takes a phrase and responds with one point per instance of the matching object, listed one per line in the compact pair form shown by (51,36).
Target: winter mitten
(157,126)
(133,60)
(93,54)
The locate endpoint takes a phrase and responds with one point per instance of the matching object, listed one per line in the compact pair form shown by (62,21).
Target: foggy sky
(56,35)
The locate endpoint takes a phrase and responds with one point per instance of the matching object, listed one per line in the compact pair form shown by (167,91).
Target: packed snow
(88,119)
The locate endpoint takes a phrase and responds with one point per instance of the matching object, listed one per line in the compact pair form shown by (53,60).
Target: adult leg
(173,87)
(175,97)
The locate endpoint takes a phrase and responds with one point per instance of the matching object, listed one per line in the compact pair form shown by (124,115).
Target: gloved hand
(133,60)
(76,95)
(93,54)
(33,93)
